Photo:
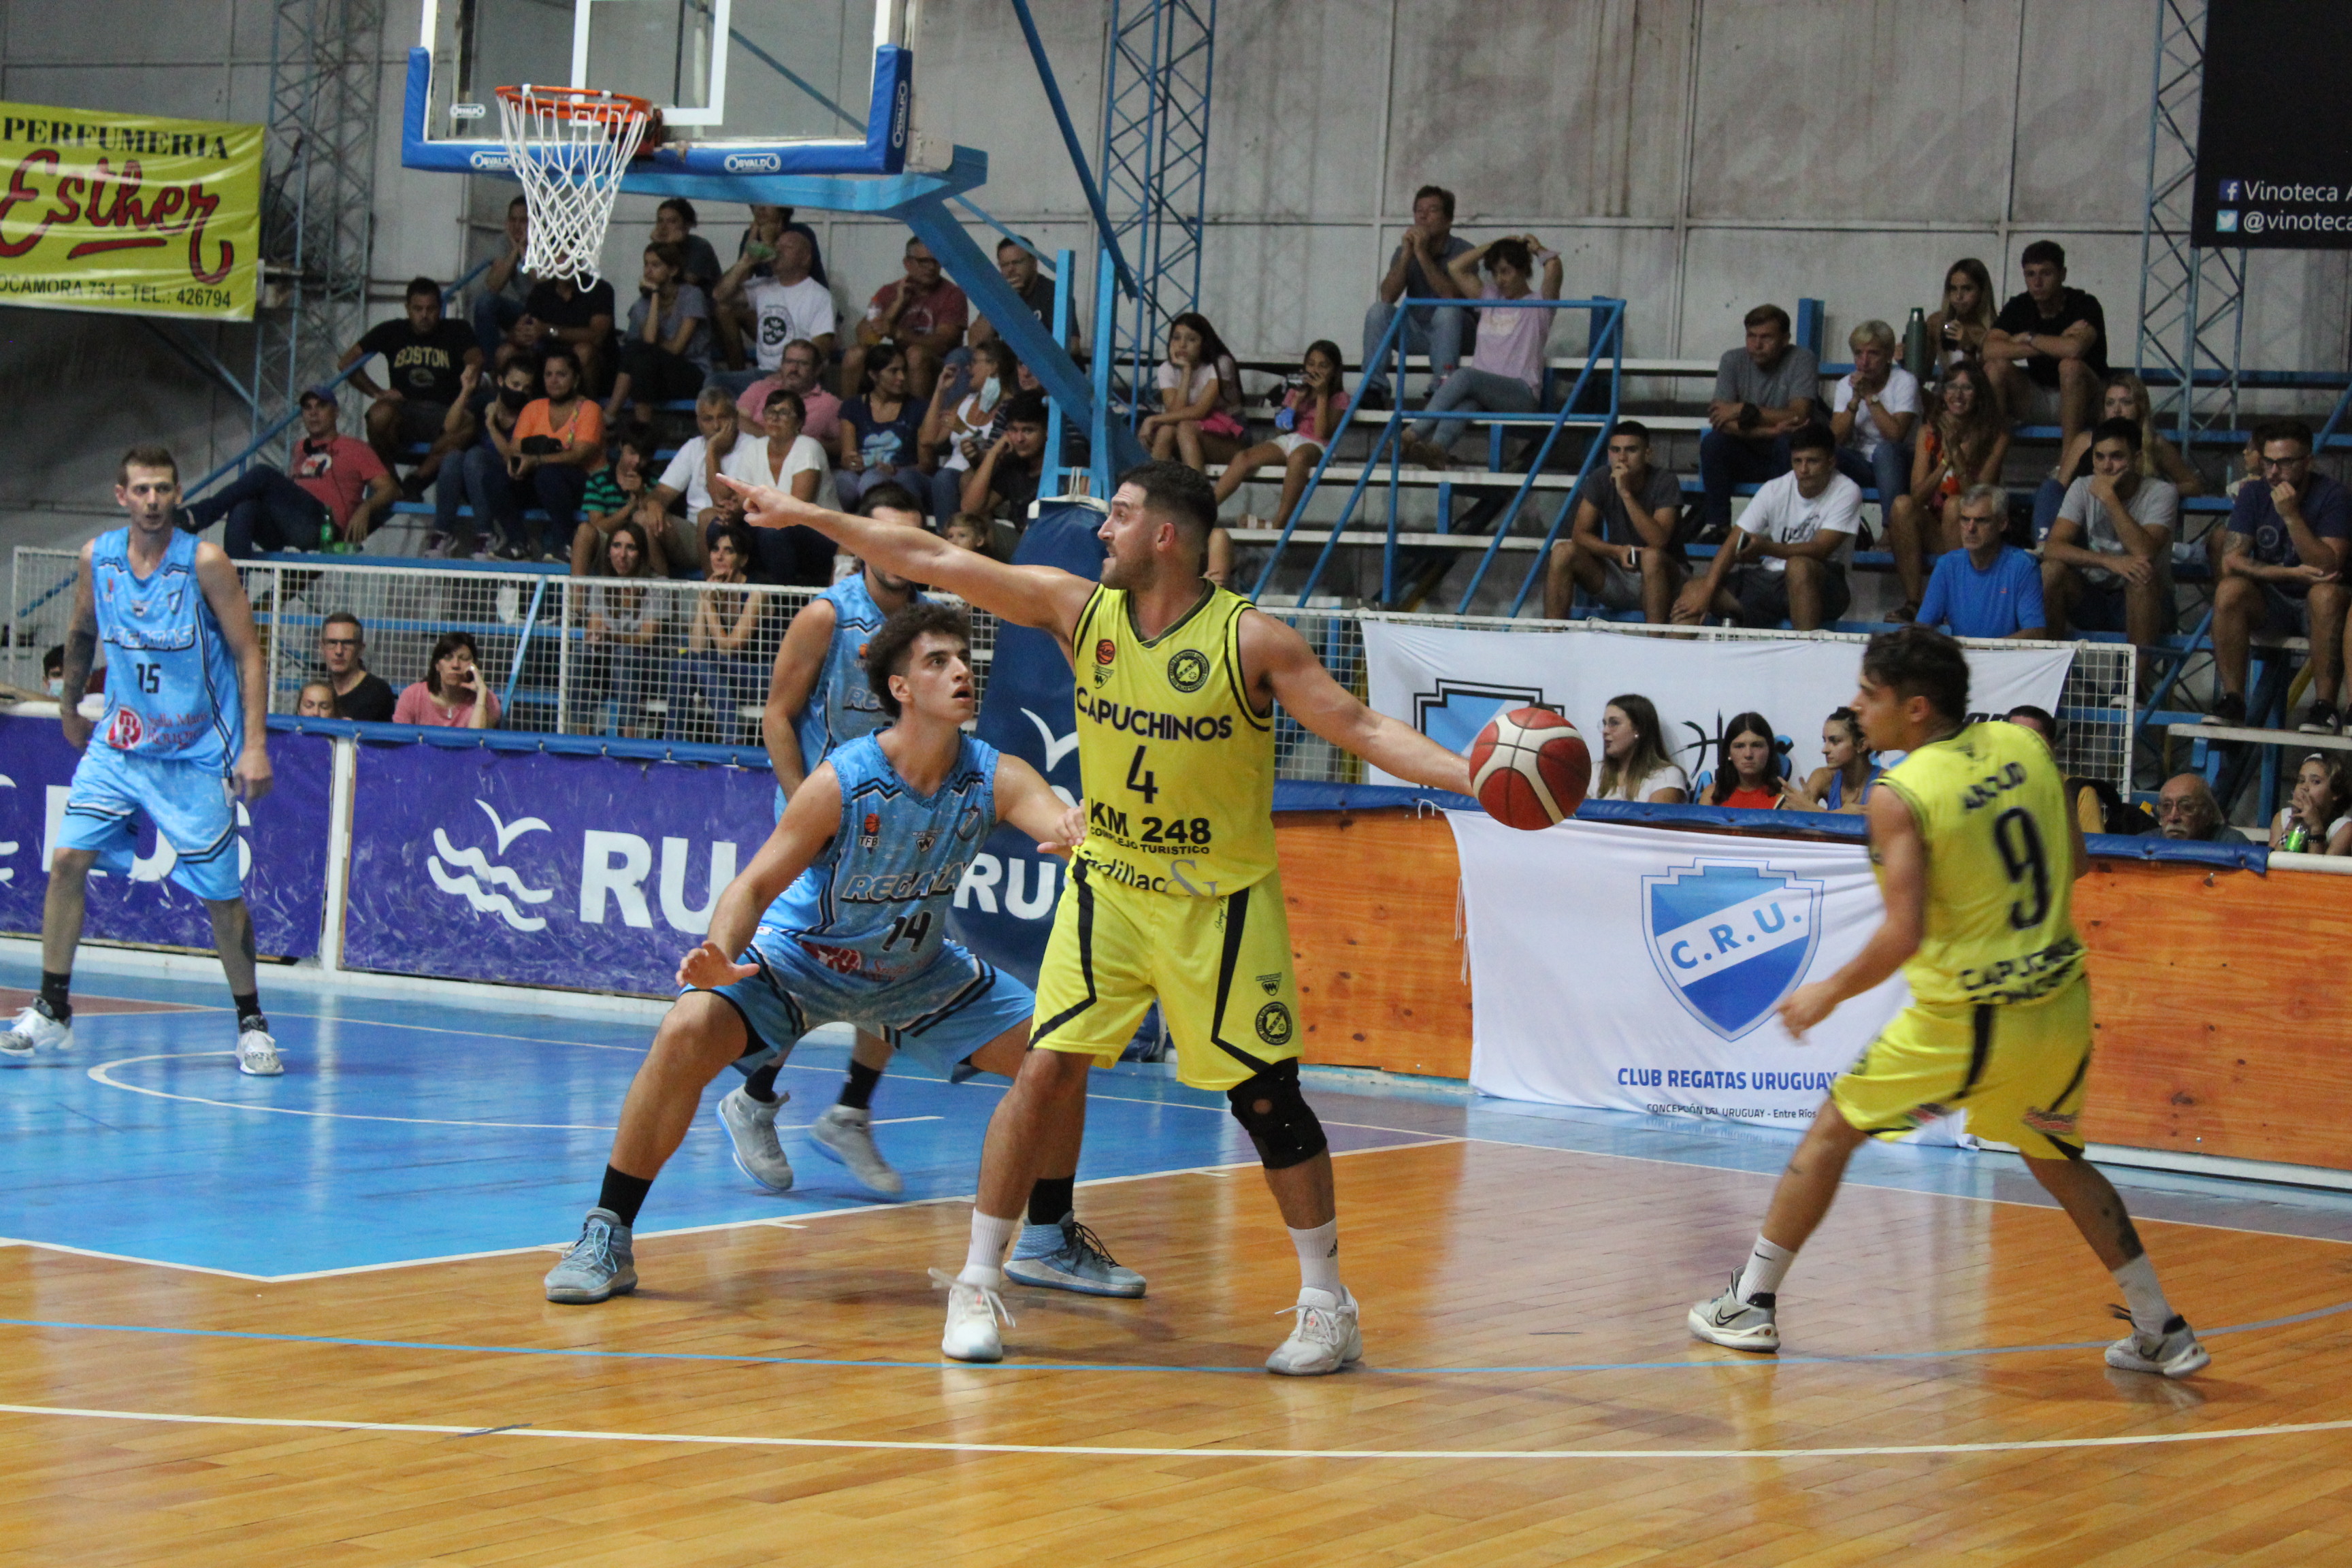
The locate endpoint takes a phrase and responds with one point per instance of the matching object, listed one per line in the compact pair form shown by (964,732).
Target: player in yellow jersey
(1976,855)
(1173,894)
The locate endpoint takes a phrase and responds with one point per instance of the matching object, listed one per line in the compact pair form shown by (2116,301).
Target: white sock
(1767,1262)
(2149,1311)
(983,1263)
(1319,1258)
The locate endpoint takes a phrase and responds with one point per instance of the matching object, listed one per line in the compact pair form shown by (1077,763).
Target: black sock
(624,1194)
(761,1085)
(248,1011)
(54,987)
(858,1092)
(1050,1199)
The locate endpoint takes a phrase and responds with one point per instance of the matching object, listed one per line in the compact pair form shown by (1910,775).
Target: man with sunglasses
(2283,573)
(358,693)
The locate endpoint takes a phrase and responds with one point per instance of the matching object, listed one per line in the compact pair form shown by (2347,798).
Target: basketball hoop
(570,146)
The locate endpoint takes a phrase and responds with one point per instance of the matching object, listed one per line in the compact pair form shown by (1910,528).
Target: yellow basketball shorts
(1219,968)
(2018,1072)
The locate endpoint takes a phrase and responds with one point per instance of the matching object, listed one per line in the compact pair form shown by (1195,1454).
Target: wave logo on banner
(1456,711)
(1730,938)
(472,861)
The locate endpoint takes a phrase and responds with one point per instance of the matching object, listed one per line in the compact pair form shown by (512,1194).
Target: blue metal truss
(2193,299)
(1155,167)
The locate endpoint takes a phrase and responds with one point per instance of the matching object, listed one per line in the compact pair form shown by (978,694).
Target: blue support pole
(1066,282)
(1070,139)
(1105,308)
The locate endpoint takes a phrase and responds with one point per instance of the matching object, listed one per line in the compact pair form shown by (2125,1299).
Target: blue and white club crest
(1730,938)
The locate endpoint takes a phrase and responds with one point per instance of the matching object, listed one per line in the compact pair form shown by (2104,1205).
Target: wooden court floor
(1528,1394)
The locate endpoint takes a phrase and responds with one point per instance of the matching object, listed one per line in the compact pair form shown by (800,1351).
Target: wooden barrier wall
(2222,1026)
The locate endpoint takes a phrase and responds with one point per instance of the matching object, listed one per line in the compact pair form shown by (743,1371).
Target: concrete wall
(1692,156)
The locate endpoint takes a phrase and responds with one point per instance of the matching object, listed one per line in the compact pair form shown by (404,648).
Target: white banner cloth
(1447,682)
(1636,968)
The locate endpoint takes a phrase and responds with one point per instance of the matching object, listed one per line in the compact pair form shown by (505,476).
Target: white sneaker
(846,1138)
(1735,1323)
(751,1129)
(1325,1338)
(34,1029)
(2173,1353)
(256,1055)
(972,1311)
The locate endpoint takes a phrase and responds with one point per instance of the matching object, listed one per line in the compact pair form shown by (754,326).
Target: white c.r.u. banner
(1446,682)
(1637,968)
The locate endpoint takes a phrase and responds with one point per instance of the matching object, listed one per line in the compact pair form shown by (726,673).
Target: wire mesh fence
(648,659)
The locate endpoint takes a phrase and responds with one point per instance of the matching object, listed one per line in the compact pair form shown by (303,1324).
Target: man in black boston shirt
(2047,351)
(424,358)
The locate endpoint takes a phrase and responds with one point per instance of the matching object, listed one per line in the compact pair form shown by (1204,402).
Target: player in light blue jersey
(819,698)
(856,884)
(181,739)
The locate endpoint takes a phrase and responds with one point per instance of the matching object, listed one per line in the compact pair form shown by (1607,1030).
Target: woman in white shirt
(1200,398)
(1633,762)
(788,461)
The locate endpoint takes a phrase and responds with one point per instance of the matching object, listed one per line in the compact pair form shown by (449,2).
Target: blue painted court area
(410,1129)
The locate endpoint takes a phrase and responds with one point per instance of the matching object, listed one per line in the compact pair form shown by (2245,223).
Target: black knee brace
(1277,1117)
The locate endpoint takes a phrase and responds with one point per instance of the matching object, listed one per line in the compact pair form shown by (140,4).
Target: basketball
(1529,768)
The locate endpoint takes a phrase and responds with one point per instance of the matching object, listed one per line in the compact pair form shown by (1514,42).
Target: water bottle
(1915,343)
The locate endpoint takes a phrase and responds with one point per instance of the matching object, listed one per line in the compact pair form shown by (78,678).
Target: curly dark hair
(886,651)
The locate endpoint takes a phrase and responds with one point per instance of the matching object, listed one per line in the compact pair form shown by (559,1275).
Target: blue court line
(1865,1359)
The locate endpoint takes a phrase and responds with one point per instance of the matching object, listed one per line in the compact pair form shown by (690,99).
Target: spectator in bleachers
(687,481)
(788,457)
(1764,394)
(1787,558)
(715,669)
(1986,588)
(881,437)
(1633,762)
(1199,397)
(452,695)
(2123,396)
(2094,802)
(1620,543)
(786,306)
(559,440)
(1505,371)
(506,286)
(1421,269)
(667,354)
(1018,266)
(2107,565)
(315,700)
(1963,444)
(1842,784)
(2282,572)
(756,251)
(2047,352)
(2185,808)
(1748,766)
(1312,402)
(1873,413)
(2318,819)
(360,693)
(1958,328)
(972,530)
(332,493)
(922,312)
(955,431)
(481,476)
(674,223)
(796,372)
(1006,479)
(609,501)
(578,321)
(425,357)
(53,670)
(623,622)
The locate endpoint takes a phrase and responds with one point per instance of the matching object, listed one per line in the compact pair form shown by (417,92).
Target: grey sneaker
(34,1029)
(600,1265)
(751,1128)
(846,1138)
(1325,1338)
(2173,1353)
(1735,1324)
(1069,1256)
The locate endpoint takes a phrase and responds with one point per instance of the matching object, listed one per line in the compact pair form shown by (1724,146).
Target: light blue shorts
(943,1013)
(190,806)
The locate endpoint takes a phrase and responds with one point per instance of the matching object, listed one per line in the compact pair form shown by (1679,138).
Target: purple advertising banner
(283,849)
(587,872)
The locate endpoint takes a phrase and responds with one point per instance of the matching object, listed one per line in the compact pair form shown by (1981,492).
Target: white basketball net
(569,147)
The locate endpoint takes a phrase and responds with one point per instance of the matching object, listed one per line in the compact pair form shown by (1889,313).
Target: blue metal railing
(1606,342)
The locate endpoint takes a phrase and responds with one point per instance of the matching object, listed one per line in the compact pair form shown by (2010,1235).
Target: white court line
(1077,1451)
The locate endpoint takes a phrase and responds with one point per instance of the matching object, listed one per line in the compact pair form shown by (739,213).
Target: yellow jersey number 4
(1162,828)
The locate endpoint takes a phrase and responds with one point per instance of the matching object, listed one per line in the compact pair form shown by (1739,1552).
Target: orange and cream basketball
(1531,768)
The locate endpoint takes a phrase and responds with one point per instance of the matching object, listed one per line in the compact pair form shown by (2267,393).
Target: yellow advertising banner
(128,212)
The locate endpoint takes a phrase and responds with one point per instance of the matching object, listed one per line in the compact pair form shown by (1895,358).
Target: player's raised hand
(764,506)
(707,968)
(1071,834)
(1807,1005)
